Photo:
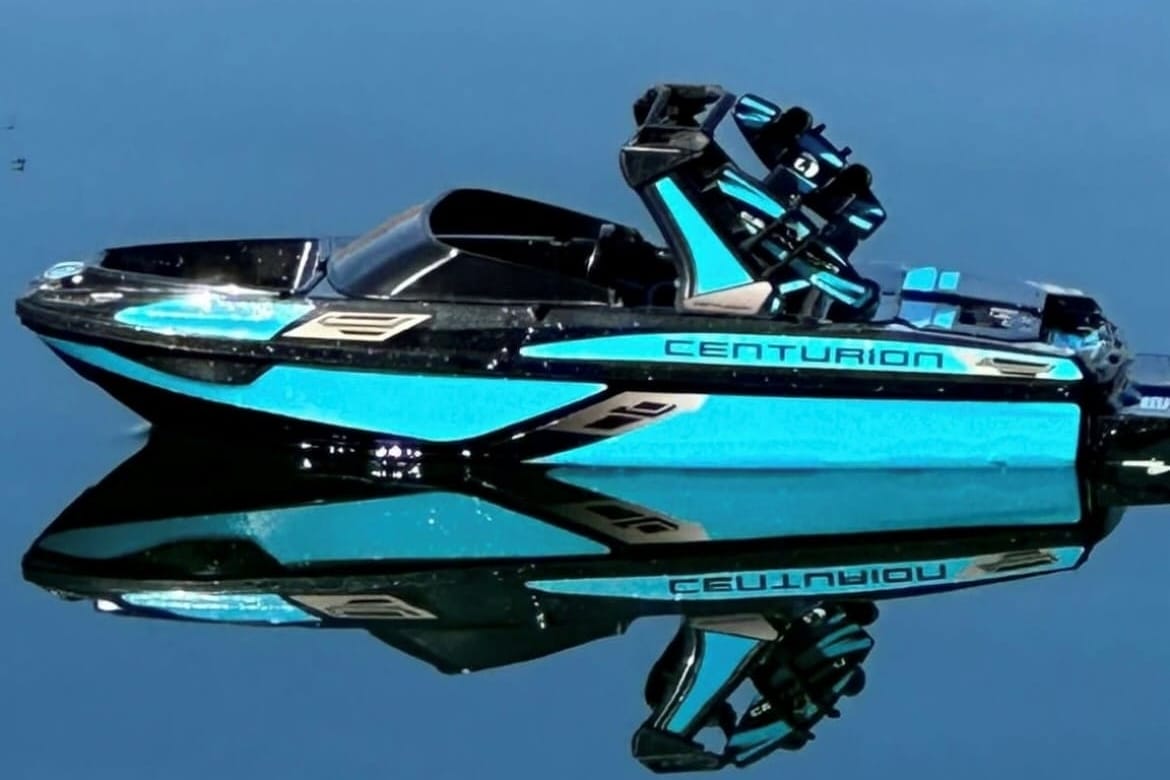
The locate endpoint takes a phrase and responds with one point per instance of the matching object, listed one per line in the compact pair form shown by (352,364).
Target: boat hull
(327,532)
(590,423)
(568,385)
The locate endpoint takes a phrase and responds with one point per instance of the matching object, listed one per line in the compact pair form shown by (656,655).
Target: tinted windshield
(267,263)
(378,262)
(476,246)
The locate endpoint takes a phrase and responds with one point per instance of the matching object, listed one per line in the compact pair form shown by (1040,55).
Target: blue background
(1025,138)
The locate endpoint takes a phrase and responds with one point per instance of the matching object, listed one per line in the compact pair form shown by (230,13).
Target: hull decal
(427,408)
(626,412)
(354,606)
(417,526)
(630,523)
(828,581)
(212,316)
(781,432)
(724,505)
(221,607)
(356,326)
(747,299)
(805,352)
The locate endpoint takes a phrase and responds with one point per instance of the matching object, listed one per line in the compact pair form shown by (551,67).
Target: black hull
(590,402)
(151,526)
(487,342)
(1110,439)
(495,594)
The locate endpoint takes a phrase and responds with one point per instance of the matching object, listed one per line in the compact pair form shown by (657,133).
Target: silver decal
(751,626)
(356,326)
(375,606)
(626,412)
(630,523)
(1004,563)
(1012,367)
(748,298)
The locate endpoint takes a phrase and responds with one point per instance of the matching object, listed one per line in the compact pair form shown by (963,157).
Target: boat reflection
(774,576)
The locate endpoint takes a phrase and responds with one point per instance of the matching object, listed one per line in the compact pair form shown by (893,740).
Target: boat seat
(633,268)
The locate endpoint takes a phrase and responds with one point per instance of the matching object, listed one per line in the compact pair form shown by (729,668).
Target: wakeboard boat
(482,324)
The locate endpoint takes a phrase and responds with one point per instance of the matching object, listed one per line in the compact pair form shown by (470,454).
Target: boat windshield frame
(477,246)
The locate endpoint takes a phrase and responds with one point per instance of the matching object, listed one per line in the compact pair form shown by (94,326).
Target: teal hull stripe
(424,526)
(779,432)
(431,408)
(806,352)
(214,317)
(740,505)
(716,268)
(721,654)
(222,607)
(875,579)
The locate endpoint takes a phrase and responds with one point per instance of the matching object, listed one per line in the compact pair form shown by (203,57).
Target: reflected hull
(315,536)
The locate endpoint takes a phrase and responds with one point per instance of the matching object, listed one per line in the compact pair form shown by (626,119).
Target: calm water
(1023,138)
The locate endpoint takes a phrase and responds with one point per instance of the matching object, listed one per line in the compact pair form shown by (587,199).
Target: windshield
(265,263)
(484,246)
(382,259)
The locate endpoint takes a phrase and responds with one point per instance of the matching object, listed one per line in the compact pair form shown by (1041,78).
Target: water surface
(1021,138)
